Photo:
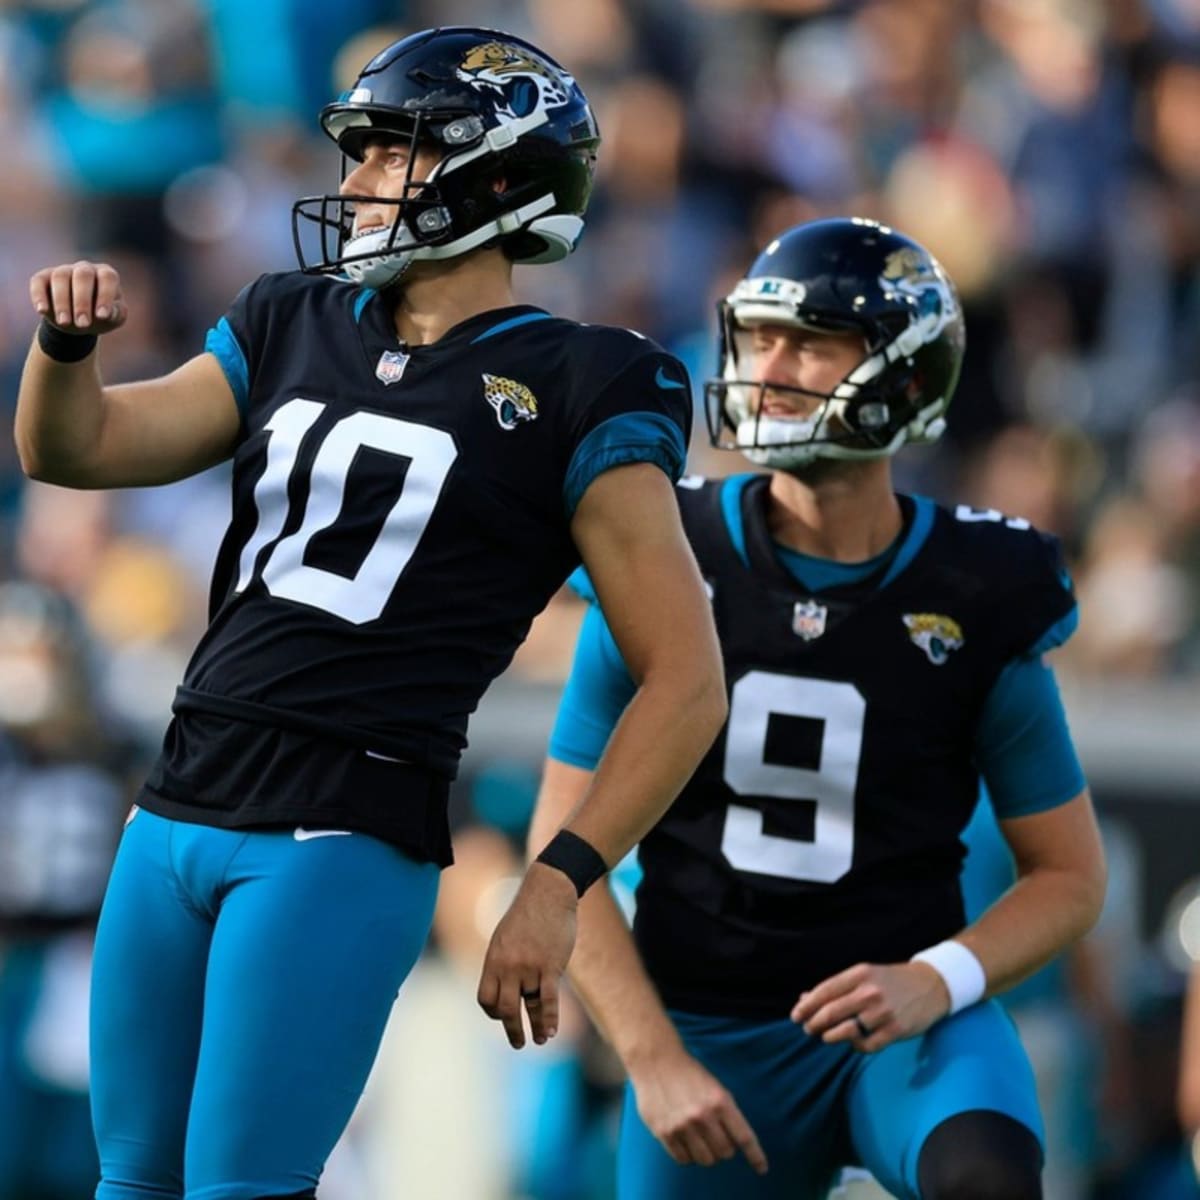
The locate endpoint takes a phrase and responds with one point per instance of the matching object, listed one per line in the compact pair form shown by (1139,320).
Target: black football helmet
(841,275)
(497,109)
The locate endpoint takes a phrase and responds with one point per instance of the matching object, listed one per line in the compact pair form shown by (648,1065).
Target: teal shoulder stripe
(361,301)
(222,342)
(1057,634)
(731,507)
(918,535)
(511,323)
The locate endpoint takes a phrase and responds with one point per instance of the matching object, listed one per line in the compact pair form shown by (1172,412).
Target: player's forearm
(662,736)
(1043,913)
(605,967)
(629,534)
(1057,898)
(60,418)
(609,977)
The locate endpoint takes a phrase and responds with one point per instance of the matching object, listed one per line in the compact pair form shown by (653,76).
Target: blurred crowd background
(1048,151)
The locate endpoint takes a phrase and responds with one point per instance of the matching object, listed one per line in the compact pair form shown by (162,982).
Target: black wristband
(577,859)
(64,347)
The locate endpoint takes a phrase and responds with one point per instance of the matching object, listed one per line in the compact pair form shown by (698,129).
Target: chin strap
(506,223)
(391,263)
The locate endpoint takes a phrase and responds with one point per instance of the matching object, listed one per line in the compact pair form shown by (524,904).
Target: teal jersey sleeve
(1023,746)
(222,342)
(596,693)
(621,440)
(236,340)
(580,582)
(639,412)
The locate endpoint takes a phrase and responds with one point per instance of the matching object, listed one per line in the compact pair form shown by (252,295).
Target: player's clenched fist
(80,297)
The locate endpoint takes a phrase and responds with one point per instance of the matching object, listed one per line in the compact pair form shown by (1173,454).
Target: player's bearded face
(784,358)
(784,395)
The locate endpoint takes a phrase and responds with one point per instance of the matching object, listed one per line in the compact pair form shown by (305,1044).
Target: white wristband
(960,970)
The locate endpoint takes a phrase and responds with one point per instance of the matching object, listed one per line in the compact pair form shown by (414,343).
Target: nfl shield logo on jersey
(391,366)
(808,619)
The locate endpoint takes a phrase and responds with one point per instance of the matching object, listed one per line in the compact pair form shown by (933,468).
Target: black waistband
(413,748)
(217,768)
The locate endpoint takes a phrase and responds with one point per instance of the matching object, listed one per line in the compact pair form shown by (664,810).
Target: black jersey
(822,828)
(399,517)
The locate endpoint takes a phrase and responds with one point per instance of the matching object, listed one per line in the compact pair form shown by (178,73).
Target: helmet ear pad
(508,185)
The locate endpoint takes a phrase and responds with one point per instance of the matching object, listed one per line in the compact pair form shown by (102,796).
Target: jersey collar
(372,314)
(743,502)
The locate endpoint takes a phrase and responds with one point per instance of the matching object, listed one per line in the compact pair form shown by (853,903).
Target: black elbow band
(577,859)
(64,347)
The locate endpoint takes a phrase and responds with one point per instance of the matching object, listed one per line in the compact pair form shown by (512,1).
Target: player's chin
(820,470)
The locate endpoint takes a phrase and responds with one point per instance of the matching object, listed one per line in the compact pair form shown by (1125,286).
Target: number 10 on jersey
(429,454)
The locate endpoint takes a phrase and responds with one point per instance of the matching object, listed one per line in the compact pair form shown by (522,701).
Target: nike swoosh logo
(386,757)
(665,381)
(307,835)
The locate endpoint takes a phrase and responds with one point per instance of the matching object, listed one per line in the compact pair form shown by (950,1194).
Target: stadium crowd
(1048,151)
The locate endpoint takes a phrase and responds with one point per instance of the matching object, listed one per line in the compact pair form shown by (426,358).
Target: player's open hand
(80,297)
(691,1114)
(873,1005)
(528,954)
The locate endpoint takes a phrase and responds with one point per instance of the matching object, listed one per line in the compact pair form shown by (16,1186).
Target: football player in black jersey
(418,464)
(801,983)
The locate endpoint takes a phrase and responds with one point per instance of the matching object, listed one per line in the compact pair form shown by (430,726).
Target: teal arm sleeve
(596,693)
(1023,746)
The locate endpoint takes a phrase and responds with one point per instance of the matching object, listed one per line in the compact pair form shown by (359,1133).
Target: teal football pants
(818,1107)
(240,989)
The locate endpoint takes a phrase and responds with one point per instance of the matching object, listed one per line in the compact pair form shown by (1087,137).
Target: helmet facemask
(379,256)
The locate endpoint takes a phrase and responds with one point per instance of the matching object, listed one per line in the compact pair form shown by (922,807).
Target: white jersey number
(429,453)
(964,512)
(831,784)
